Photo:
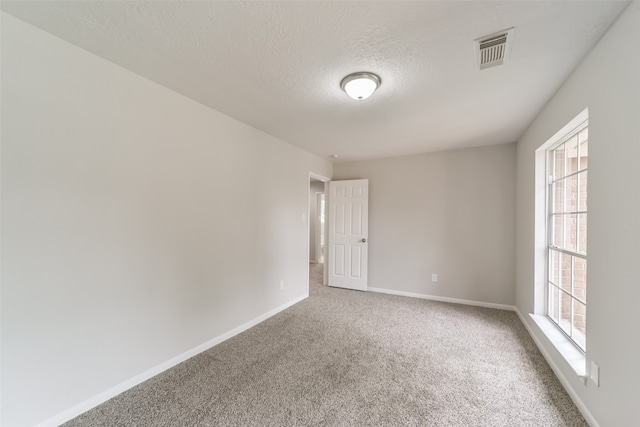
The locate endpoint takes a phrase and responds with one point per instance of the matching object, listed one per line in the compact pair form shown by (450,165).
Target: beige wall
(450,213)
(606,83)
(136,224)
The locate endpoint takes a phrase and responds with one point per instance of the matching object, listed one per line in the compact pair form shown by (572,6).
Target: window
(566,298)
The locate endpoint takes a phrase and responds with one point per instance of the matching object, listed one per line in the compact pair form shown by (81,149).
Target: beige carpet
(348,358)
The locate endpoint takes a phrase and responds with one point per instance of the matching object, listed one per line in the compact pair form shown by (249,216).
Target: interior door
(348,228)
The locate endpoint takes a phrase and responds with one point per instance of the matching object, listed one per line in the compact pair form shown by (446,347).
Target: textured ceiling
(277,65)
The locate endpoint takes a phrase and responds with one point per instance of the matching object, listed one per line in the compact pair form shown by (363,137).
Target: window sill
(571,354)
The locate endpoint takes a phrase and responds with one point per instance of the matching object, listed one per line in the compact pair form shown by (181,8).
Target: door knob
(364,240)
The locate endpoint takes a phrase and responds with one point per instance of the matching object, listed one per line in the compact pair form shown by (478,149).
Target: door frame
(319,226)
(325,180)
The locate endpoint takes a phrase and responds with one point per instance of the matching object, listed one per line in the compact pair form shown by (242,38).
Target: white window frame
(574,357)
(551,247)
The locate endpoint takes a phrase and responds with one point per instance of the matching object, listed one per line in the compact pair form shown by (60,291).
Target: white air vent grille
(492,50)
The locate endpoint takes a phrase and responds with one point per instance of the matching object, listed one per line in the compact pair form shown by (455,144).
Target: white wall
(607,82)
(132,226)
(315,187)
(450,213)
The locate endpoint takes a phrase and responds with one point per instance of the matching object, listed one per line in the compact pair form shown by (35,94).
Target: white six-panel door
(348,228)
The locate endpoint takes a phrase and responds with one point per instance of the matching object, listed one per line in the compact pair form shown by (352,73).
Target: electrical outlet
(594,373)
(434,278)
(282,285)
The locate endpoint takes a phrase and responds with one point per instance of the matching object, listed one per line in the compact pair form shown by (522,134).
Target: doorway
(317,231)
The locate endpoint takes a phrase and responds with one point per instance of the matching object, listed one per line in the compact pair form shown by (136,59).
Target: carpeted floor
(348,358)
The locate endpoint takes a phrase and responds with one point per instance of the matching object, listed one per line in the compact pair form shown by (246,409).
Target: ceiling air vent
(492,50)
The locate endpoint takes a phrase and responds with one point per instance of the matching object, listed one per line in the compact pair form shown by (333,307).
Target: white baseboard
(88,404)
(563,380)
(443,299)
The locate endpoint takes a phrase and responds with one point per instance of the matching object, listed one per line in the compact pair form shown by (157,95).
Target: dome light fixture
(360,85)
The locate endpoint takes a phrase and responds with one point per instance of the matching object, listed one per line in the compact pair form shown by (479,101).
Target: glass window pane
(557,204)
(565,312)
(582,188)
(554,303)
(571,232)
(571,194)
(584,148)
(554,267)
(571,148)
(565,272)
(558,162)
(579,323)
(557,232)
(580,278)
(582,233)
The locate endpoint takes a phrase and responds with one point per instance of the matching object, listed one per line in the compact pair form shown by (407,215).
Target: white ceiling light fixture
(360,85)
